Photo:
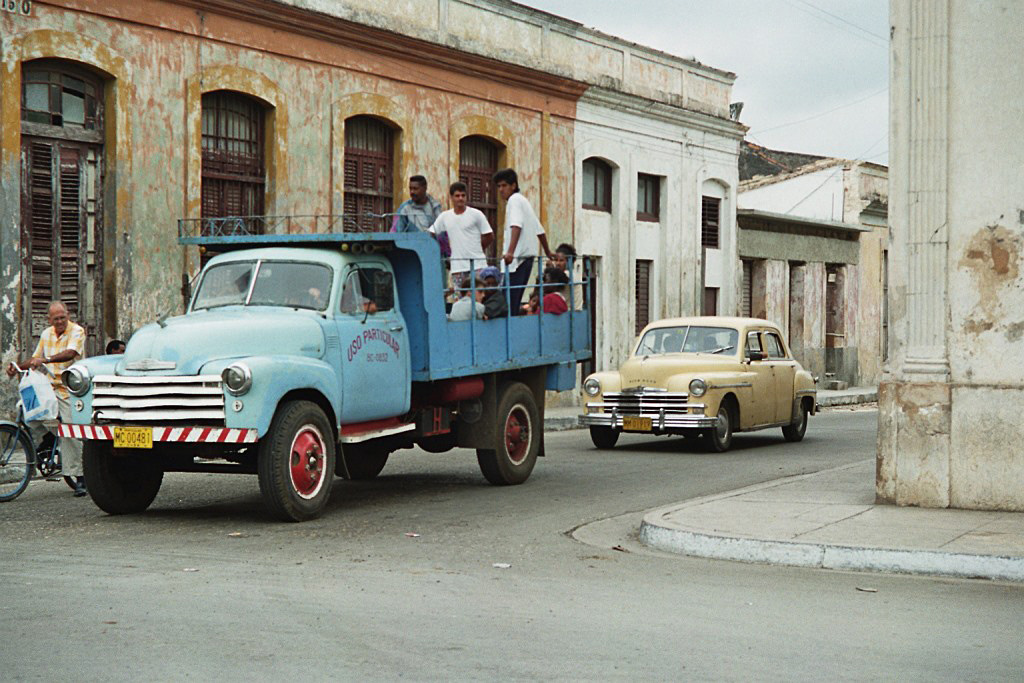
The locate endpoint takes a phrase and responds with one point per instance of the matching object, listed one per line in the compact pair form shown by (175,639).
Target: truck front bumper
(660,422)
(162,434)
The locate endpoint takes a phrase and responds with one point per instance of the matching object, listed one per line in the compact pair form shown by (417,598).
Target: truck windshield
(687,339)
(278,283)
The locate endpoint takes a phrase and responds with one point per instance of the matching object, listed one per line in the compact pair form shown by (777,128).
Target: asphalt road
(204,585)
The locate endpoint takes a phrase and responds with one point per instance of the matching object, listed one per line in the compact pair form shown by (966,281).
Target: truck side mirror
(755,355)
(384,290)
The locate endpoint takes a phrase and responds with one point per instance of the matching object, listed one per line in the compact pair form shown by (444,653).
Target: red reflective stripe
(202,436)
(184,434)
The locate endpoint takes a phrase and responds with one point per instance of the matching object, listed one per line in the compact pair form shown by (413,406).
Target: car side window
(773,345)
(753,343)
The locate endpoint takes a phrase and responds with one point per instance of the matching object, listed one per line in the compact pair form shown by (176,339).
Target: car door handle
(396,328)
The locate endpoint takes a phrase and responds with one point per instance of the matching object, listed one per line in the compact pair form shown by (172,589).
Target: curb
(661,536)
(822,556)
(848,400)
(560,423)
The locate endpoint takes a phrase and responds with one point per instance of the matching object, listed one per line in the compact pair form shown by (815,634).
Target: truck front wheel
(517,435)
(120,482)
(295,462)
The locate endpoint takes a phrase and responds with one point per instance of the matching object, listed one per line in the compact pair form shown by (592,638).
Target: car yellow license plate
(133,437)
(637,424)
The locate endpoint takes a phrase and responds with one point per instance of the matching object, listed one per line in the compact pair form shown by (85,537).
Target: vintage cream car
(709,376)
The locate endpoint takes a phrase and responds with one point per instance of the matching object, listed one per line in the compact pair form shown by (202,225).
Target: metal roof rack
(233,232)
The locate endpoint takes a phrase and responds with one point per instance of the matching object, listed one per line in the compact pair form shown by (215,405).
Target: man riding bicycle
(59,346)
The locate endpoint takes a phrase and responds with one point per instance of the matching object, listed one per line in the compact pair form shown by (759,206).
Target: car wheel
(518,436)
(296,461)
(604,437)
(719,437)
(795,432)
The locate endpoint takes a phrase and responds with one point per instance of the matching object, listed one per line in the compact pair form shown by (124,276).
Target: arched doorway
(62,135)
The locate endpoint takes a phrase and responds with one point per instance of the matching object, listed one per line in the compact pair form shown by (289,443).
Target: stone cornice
(677,115)
(377,41)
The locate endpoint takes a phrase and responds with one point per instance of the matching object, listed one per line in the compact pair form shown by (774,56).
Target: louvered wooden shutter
(709,221)
(643,294)
(746,305)
(40,202)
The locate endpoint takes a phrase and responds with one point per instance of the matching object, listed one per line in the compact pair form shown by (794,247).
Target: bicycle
(19,456)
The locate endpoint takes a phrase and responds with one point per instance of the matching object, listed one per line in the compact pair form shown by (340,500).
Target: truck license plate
(637,424)
(133,437)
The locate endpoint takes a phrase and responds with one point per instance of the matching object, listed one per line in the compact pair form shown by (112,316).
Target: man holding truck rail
(521,226)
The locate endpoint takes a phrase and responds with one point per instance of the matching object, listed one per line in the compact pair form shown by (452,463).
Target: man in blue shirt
(419,211)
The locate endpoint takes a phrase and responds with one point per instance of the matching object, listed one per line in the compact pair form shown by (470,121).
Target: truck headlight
(592,387)
(698,387)
(237,378)
(77,380)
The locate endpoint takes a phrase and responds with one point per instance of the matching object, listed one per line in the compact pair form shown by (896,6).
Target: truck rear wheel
(518,438)
(295,462)
(120,482)
(363,462)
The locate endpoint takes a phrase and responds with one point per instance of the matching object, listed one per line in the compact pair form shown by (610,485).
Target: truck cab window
(367,290)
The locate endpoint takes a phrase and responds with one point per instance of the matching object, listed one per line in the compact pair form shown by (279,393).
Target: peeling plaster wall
(950,407)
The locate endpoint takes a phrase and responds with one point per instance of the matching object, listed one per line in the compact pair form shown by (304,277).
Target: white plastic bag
(37,397)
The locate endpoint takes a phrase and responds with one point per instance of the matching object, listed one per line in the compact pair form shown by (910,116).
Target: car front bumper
(660,422)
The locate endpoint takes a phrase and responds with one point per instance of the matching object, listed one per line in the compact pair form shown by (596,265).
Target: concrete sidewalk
(564,417)
(829,520)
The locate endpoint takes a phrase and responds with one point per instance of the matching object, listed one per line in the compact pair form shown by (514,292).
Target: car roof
(713,321)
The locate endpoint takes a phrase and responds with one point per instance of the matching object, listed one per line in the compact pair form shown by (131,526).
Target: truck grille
(646,402)
(195,399)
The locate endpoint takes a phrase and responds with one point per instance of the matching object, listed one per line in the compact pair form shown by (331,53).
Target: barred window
(478,162)
(234,167)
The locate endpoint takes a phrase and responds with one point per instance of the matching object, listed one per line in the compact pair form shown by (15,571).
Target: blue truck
(304,356)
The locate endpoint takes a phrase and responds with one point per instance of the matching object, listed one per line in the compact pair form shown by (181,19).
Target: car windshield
(278,283)
(687,339)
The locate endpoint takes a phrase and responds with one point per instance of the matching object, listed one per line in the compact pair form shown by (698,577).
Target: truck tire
(295,462)
(363,462)
(120,482)
(518,438)
(604,437)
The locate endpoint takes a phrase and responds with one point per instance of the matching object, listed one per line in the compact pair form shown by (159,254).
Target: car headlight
(77,379)
(237,378)
(698,387)
(592,387)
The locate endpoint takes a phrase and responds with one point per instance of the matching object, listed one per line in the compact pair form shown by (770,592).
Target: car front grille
(193,400)
(646,402)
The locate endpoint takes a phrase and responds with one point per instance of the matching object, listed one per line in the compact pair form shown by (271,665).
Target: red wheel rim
(517,434)
(306,461)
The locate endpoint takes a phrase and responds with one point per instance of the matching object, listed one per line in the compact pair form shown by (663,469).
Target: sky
(813,75)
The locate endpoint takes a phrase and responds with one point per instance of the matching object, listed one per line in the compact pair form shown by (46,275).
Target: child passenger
(555,284)
(466,308)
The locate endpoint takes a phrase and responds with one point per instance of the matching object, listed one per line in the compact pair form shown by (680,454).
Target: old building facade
(813,243)
(951,401)
(119,118)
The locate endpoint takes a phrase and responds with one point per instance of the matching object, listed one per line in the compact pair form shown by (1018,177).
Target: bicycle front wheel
(17,460)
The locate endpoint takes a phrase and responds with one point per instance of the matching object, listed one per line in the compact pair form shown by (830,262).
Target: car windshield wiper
(722,348)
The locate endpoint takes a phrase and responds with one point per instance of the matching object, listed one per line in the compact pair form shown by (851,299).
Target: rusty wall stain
(992,257)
